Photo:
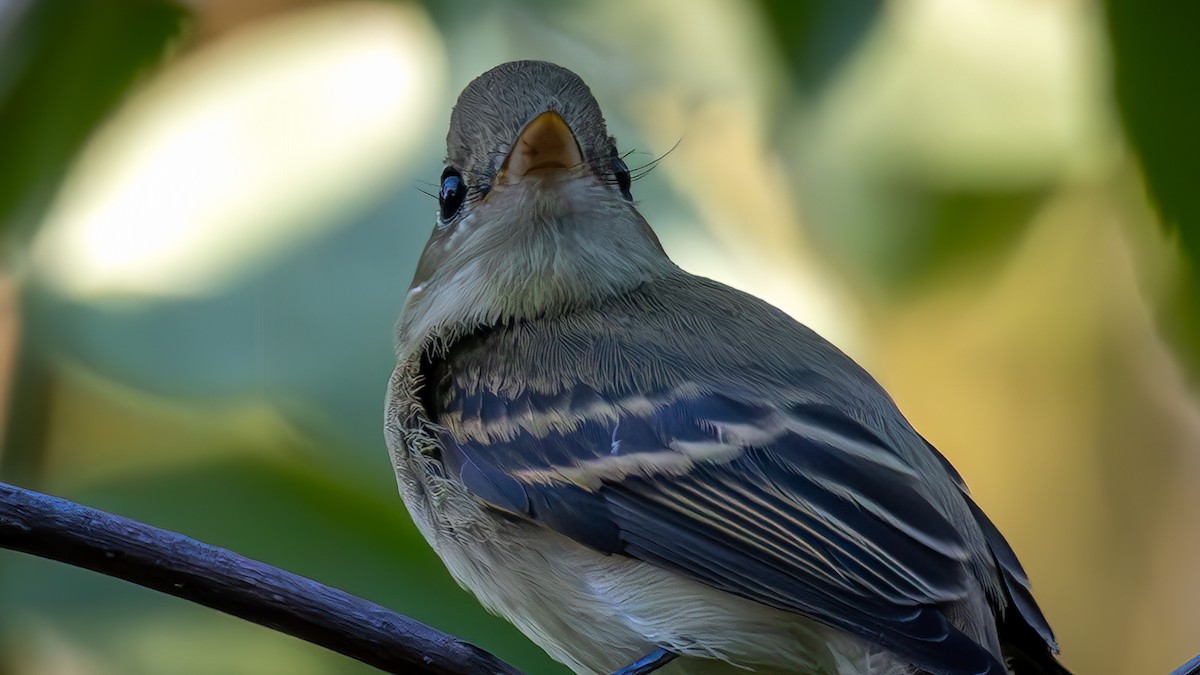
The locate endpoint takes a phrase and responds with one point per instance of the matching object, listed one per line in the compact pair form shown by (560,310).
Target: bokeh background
(211,210)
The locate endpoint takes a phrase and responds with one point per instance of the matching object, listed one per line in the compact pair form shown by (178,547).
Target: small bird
(641,468)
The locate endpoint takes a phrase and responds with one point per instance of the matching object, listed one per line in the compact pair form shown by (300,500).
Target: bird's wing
(799,508)
(1026,630)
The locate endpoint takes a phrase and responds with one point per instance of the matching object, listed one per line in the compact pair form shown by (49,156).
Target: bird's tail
(1024,663)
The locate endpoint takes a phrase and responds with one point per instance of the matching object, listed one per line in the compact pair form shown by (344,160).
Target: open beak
(546,143)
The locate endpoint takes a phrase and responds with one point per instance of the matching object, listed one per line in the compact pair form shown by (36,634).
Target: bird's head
(535,214)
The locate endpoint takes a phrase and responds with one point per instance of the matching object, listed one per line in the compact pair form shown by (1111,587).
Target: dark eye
(452,194)
(621,173)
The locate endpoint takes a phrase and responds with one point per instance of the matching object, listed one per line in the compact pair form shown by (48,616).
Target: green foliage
(63,67)
(1154,54)
(816,38)
(307,334)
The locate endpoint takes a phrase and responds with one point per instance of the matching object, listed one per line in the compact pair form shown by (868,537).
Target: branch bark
(1192,667)
(54,528)
(165,561)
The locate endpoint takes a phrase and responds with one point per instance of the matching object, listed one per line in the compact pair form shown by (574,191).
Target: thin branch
(1190,668)
(54,528)
(172,563)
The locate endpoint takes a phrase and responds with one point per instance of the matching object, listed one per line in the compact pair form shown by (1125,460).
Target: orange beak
(545,143)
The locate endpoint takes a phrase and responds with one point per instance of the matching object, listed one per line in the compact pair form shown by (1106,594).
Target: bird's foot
(648,663)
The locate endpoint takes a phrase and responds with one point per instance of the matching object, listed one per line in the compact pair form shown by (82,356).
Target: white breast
(597,613)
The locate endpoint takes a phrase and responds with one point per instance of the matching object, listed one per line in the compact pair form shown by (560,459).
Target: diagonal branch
(61,530)
(1192,667)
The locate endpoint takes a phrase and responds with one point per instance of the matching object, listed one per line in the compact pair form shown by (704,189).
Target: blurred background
(211,211)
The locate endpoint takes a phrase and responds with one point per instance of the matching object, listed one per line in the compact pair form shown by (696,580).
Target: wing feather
(801,509)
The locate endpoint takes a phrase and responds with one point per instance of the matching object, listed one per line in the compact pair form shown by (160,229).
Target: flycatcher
(642,468)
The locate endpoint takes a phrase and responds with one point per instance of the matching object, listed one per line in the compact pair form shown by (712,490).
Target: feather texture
(770,492)
(618,456)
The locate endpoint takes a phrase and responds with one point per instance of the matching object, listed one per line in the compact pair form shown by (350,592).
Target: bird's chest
(557,592)
(544,584)
(591,611)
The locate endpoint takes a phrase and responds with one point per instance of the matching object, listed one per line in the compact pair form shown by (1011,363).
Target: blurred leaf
(310,334)
(344,528)
(900,237)
(1158,99)
(1180,314)
(936,143)
(935,233)
(1153,53)
(818,37)
(63,67)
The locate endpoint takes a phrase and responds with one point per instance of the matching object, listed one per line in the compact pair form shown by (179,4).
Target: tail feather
(1025,636)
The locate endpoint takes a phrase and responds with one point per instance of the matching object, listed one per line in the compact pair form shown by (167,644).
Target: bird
(643,469)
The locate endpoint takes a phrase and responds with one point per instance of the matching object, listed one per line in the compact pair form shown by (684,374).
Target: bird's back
(510,395)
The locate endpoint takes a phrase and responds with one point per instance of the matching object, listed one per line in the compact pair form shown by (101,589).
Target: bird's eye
(621,173)
(452,194)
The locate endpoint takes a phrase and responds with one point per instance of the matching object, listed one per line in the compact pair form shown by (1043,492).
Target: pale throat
(539,249)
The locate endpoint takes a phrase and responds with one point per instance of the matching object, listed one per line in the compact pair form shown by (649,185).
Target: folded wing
(799,508)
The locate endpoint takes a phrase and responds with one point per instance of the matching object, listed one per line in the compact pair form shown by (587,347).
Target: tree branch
(1192,667)
(61,530)
(172,563)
